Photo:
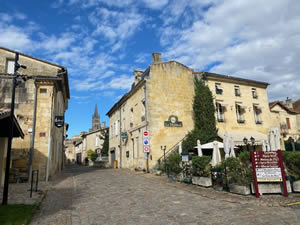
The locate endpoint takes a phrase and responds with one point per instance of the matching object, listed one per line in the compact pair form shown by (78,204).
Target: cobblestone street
(82,195)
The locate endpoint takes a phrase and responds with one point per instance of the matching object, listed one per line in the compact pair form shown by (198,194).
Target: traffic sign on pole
(146,134)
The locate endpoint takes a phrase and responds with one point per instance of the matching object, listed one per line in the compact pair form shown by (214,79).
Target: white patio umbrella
(226,145)
(216,157)
(268,148)
(180,147)
(277,139)
(211,146)
(199,148)
(231,148)
(272,139)
(264,145)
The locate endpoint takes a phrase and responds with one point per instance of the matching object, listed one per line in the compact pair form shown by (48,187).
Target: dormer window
(237,91)
(219,89)
(254,93)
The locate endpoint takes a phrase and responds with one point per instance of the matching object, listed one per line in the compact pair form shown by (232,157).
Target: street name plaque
(268,167)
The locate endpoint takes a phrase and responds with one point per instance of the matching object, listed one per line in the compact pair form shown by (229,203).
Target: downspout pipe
(50,141)
(31,149)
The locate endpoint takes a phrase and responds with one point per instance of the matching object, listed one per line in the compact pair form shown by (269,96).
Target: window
(237,91)
(288,124)
(254,93)
(257,112)
(43,90)
(10,66)
(219,89)
(117,127)
(240,109)
(220,112)
(97,141)
(111,130)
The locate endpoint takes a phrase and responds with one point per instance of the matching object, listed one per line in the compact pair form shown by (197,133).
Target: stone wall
(50,103)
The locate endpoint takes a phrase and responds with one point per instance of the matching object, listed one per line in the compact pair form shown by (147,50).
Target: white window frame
(10,66)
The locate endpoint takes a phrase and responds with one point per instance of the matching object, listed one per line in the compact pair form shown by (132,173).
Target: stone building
(92,140)
(286,115)
(160,102)
(241,108)
(47,91)
(70,153)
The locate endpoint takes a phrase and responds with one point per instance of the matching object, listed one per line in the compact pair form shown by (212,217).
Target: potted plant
(201,171)
(292,164)
(173,166)
(237,174)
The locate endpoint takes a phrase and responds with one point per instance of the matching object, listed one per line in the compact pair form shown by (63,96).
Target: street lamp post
(252,140)
(164,149)
(11,127)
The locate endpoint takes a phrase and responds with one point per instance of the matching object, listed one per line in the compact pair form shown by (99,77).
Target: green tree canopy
(204,117)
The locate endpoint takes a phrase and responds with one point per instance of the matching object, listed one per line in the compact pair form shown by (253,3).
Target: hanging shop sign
(173,122)
(268,167)
(124,135)
(59,121)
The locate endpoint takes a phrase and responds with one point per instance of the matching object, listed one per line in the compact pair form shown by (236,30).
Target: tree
(204,117)
(105,146)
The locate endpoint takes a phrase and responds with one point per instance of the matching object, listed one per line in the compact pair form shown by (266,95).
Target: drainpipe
(50,140)
(120,136)
(146,118)
(31,149)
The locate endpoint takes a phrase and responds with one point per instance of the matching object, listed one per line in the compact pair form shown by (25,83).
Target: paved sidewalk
(20,194)
(83,196)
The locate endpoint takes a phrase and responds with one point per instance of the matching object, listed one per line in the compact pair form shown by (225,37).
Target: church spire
(96,112)
(96,120)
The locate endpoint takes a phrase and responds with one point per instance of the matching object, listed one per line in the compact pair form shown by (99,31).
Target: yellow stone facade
(287,121)
(165,91)
(52,100)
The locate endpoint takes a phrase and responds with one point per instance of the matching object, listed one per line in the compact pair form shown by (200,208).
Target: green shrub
(235,172)
(292,163)
(173,162)
(244,157)
(201,166)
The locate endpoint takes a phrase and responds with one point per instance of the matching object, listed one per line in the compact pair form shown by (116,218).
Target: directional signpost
(268,167)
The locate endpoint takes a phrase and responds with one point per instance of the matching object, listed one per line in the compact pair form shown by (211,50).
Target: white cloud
(261,44)
(155,4)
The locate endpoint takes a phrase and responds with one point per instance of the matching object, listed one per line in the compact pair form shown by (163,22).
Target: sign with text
(268,167)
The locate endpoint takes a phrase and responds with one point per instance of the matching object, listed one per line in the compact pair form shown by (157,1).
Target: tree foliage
(204,117)
(105,146)
(201,166)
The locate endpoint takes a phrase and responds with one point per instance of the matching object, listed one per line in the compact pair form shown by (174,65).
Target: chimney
(289,103)
(103,124)
(137,75)
(156,57)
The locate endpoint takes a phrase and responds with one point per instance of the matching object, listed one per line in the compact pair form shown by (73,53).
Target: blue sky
(101,42)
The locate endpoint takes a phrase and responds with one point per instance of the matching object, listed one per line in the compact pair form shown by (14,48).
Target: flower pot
(296,186)
(202,181)
(239,189)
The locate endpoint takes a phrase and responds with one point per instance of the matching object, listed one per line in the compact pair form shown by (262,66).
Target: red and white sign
(268,167)
(146,148)
(146,134)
